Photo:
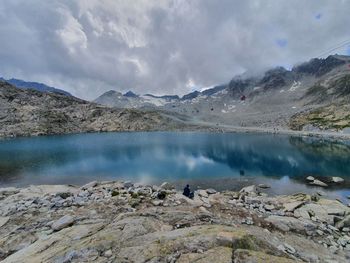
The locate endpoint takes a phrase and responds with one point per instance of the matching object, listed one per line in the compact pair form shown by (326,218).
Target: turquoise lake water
(218,160)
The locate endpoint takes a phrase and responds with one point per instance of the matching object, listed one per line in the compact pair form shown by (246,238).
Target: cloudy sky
(163,47)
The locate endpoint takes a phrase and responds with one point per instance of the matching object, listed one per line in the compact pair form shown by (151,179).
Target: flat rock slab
(219,254)
(290,207)
(244,256)
(3,220)
(286,223)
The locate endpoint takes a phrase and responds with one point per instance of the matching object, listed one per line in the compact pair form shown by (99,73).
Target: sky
(88,47)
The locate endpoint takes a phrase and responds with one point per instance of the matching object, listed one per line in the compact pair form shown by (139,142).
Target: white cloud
(88,47)
(72,35)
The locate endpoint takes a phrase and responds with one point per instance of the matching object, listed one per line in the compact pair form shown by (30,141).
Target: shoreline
(212,128)
(277,131)
(114,221)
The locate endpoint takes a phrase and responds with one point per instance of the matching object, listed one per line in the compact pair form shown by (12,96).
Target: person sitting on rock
(187,192)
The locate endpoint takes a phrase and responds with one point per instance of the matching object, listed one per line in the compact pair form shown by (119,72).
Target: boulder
(343,223)
(310,178)
(251,189)
(211,191)
(337,180)
(90,185)
(63,222)
(167,186)
(289,248)
(319,183)
(202,193)
(8,191)
(269,207)
(264,186)
(291,206)
(108,253)
(285,224)
(128,184)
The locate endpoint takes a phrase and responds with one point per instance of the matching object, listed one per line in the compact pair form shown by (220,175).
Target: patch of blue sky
(318,16)
(282,42)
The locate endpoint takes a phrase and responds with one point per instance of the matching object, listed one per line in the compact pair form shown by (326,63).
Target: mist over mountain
(277,98)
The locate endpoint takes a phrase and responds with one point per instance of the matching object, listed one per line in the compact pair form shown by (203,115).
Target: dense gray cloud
(161,47)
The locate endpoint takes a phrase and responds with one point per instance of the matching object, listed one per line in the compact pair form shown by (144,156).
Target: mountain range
(312,96)
(35,86)
(28,112)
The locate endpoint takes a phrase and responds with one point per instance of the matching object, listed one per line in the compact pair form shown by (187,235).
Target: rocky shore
(125,222)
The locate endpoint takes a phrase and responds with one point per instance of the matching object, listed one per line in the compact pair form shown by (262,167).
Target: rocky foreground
(126,222)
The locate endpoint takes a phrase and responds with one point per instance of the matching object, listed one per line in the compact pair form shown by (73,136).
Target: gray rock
(90,185)
(281,248)
(310,178)
(343,223)
(291,206)
(8,191)
(249,189)
(336,179)
(346,229)
(143,191)
(264,186)
(63,222)
(202,193)
(319,232)
(3,220)
(167,186)
(211,191)
(128,184)
(202,209)
(285,224)
(269,207)
(289,248)
(157,202)
(108,253)
(319,183)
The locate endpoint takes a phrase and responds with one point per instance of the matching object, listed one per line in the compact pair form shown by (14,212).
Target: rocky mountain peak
(130,94)
(319,66)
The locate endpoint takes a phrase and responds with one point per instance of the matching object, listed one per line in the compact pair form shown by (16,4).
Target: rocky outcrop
(125,222)
(30,112)
(319,67)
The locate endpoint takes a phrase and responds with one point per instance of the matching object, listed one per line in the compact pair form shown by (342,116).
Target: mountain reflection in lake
(201,158)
